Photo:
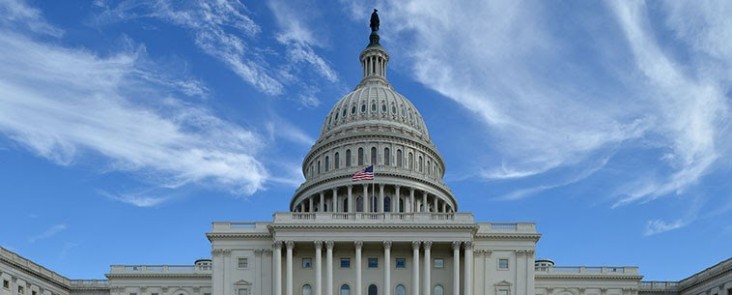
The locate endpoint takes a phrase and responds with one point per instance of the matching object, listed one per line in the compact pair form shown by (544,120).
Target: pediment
(242,283)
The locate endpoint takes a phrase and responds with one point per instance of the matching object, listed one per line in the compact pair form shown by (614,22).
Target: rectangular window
(401,263)
(154,294)
(6,284)
(133,293)
(243,292)
(439,263)
(243,262)
(373,262)
(21,290)
(503,292)
(307,262)
(503,263)
(345,262)
(34,292)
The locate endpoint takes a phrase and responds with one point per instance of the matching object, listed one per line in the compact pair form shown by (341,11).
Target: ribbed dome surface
(374,103)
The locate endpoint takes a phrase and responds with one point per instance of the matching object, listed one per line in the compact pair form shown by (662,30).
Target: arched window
(387,157)
(399,159)
(439,290)
(348,158)
(373,156)
(372,289)
(420,163)
(360,156)
(429,168)
(345,289)
(363,107)
(373,107)
(359,204)
(306,290)
(411,161)
(337,160)
(327,163)
(387,204)
(318,167)
(345,205)
(353,110)
(400,290)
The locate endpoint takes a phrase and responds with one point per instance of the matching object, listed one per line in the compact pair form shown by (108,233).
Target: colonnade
(329,288)
(382,198)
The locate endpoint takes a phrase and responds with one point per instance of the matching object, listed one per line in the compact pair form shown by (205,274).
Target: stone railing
(240,226)
(609,270)
(125,269)
(89,284)
(32,266)
(364,217)
(659,286)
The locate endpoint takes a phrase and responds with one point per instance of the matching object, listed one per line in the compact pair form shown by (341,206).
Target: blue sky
(127,127)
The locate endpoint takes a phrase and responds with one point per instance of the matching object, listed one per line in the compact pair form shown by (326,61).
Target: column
(427,267)
(367,203)
(310,204)
(456,268)
(358,245)
(329,267)
(335,201)
(411,200)
(435,207)
(321,204)
(277,257)
(397,200)
(415,268)
(288,287)
(387,268)
(468,289)
(318,267)
(425,205)
(380,205)
(351,206)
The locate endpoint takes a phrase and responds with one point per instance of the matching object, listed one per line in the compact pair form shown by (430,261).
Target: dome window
(348,158)
(404,112)
(383,107)
(363,107)
(344,112)
(360,156)
(393,109)
(353,110)
(336,116)
(387,157)
(337,160)
(373,156)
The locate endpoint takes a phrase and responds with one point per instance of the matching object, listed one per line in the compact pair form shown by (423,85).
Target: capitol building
(373,217)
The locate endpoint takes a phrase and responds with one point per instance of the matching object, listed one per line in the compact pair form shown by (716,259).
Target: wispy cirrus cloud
(63,104)
(143,200)
(549,109)
(50,232)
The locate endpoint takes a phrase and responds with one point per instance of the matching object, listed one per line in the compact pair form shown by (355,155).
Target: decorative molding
(415,245)
(277,245)
(468,245)
(387,244)
(427,245)
(358,244)
(318,245)
(290,245)
(227,252)
(329,245)
(456,245)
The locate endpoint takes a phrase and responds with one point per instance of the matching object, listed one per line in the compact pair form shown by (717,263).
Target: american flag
(364,174)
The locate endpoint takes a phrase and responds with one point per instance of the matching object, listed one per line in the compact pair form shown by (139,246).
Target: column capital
(416,244)
(227,252)
(427,245)
(358,244)
(258,252)
(318,245)
(387,244)
(468,245)
(216,252)
(277,244)
(329,245)
(290,245)
(456,245)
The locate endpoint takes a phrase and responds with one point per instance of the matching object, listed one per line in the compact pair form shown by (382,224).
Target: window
(130,293)
(243,262)
(348,158)
(307,290)
(360,156)
(34,292)
(399,158)
(387,157)
(318,167)
(363,108)
(6,284)
(345,206)
(243,291)
(353,110)
(401,263)
(327,163)
(337,159)
(372,290)
(420,163)
(373,107)
(503,263)
(307,262)
(345,290)
(21,290)
(373,156)
(411,161)
(373,262)
(439,290)
(400,290)
(359,204)
(502,291)
(439,263)
(387,204)
(345,262)
(159,294)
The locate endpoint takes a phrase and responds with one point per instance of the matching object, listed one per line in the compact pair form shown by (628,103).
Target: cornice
(158,275)
(313,227)
(31,272)
(501,236)
(565,276)
(237,236)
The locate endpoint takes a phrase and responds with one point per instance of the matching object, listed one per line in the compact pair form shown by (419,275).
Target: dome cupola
(374,125)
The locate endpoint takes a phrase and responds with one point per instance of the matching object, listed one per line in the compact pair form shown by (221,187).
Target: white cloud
(657,226)
(137,200)
(50,232)
(65,103)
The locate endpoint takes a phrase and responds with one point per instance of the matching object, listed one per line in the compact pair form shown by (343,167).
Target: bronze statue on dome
(374,21)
